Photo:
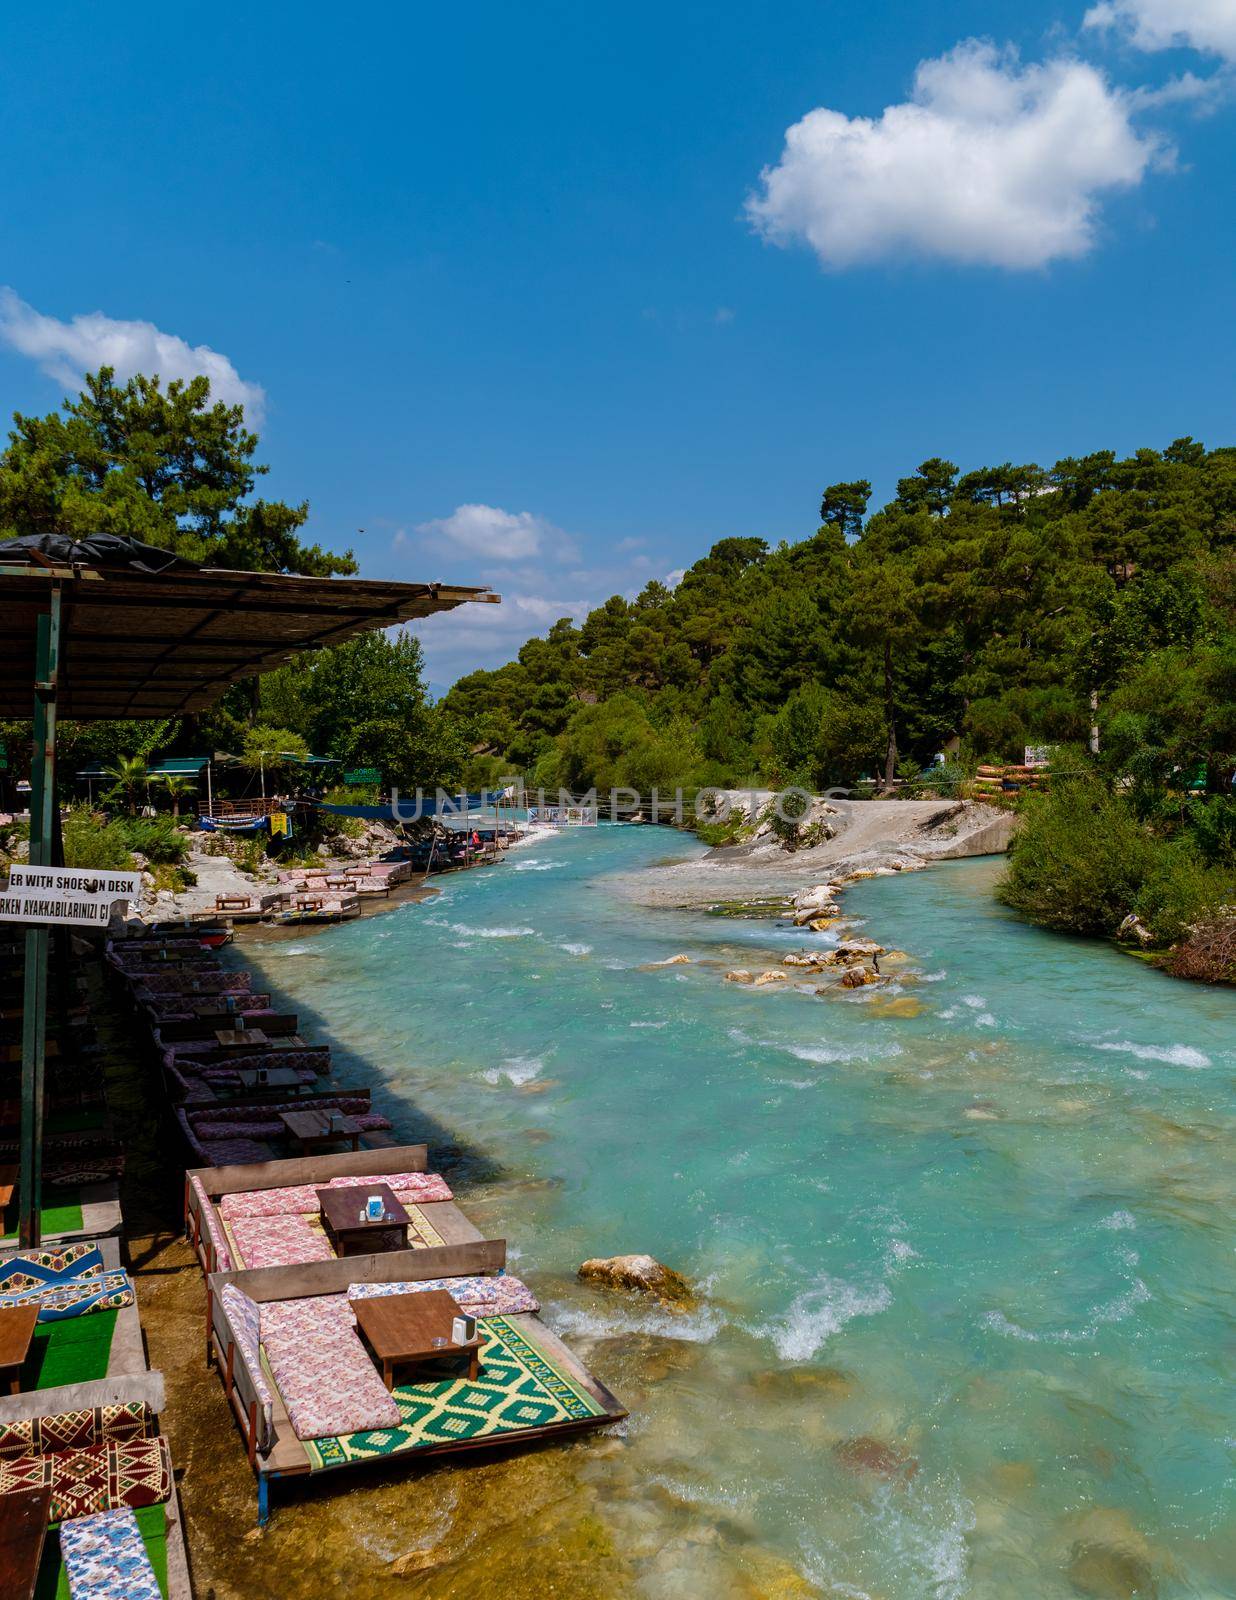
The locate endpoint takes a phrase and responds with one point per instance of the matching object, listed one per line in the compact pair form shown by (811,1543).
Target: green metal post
(34,1008)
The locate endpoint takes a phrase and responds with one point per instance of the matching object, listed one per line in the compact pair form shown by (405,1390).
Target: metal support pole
(34,1011)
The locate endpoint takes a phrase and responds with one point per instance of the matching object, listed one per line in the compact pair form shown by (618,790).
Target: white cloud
(491,532)
(988,163)
(1208,25)
(457,642)
(67,350)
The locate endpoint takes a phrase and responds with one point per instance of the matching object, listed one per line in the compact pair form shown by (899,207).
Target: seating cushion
(278,1241)
(98,1478)
(49,1268)
(73,1430)
(213,1227)
(233,1152)
(244,1319)
(410,1188)
(105,1558)
(104,1291)
(328,1382)
(479,1297)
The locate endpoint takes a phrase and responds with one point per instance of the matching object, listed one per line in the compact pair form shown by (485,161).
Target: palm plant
(178,786)
(131,776)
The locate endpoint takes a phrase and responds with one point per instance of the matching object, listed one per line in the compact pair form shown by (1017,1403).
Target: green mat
(152,1523)
(73,1351)
(57,1219)
(518,1388)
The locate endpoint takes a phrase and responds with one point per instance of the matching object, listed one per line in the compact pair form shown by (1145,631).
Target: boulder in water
(770,977)
(1134,931)
(865,1454)
(739,975)
(1105,1572)
(670,961)
(857,977)
(643,1273)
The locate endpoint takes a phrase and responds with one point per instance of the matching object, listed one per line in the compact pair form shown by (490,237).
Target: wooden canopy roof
(158,644)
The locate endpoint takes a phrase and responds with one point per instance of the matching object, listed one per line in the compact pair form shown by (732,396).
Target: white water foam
(1119,1221)
(974,1001)
(1114,1311)
(538,866)
(825,1055)
(514,1069)
(648,1024)
(1176,1055)
(695,1327)
(576,949)
(818,1313)
(491,933)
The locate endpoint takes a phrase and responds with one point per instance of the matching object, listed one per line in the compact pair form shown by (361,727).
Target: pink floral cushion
(216,1235)
(278,1242)
(244,1319)
(411,1188)
(479,1297)
(327,1380)
(294,1201)
(415,1188)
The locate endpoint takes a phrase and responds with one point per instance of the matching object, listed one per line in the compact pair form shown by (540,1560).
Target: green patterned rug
(518,1388)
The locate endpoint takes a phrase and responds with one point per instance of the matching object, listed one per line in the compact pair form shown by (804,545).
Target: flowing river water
(965,1260)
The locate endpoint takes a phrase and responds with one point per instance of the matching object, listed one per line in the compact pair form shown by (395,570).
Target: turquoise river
(967,1316)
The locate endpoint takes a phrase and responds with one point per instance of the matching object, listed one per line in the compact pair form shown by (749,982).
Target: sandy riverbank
(869,836)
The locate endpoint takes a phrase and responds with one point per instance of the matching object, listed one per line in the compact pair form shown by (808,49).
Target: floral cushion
(244,1319)
(479,1297)
(43,1269)
(214,1231)
(278,1242)
(233,1152)
(411,1188)
(104,1291)
(415,1188)
(105,1558)
(98,1478)
(328,1382)
(73,1430)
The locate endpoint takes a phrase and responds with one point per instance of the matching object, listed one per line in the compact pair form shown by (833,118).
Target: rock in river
(643,1273)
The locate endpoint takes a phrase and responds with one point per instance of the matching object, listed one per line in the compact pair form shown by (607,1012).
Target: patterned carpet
(422,1235)
(518,1388)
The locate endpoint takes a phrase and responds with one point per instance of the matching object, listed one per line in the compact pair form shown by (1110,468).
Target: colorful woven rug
(519,1387)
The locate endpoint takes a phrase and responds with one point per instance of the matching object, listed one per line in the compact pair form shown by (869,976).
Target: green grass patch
(76,1350)
(57,1219)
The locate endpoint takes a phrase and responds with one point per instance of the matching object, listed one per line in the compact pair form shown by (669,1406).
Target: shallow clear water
(996,1236)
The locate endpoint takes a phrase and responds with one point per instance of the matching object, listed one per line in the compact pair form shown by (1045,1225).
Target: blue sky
(513,295)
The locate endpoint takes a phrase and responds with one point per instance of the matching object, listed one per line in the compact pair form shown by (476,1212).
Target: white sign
(53,909)
(92,881)
(1039,755)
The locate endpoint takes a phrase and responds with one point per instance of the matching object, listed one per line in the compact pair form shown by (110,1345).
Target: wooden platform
(284,1455)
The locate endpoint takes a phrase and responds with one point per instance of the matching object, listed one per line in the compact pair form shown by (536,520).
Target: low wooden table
(400,1329)
(23,1525)
(311,1129)
(16,1331)
(241,1038)
(353,1233)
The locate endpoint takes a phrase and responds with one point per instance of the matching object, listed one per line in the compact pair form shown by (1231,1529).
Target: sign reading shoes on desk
(77,896)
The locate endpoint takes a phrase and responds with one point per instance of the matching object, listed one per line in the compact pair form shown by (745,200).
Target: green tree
(163,465)
(130,777)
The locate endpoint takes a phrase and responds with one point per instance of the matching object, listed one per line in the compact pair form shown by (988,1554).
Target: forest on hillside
(1001,607)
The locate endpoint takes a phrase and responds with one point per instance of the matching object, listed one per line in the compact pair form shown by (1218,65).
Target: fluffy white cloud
(67,350)
(989,162)
(1159,24)
(490,532)
(460,641)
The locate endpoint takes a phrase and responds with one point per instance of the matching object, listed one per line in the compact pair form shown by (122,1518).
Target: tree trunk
(890,708)
(1094,722)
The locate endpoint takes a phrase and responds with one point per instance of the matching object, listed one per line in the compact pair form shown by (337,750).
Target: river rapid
(964,1242)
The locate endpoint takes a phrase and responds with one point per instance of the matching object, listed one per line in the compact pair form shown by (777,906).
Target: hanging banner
(94,881)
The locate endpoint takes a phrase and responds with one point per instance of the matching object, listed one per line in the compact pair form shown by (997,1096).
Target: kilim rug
(519,1387)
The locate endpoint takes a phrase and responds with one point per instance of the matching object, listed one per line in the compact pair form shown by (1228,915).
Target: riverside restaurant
(351,1309)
